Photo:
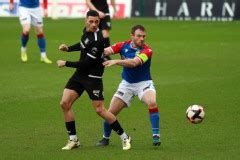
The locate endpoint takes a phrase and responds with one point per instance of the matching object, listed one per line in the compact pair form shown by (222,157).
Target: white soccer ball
(195,113)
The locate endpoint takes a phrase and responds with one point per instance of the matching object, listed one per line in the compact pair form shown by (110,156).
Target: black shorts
(93,86)
(105,23)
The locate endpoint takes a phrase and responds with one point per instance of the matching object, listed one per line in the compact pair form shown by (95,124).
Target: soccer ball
(195,113)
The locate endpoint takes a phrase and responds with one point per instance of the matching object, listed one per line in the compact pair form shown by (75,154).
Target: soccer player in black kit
(87,77)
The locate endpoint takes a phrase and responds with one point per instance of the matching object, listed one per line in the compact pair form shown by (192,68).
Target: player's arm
(66,48)
(116,48)
(92,7)
(11,5)
(139,59)
(108,51)
(129,63)
(85,63)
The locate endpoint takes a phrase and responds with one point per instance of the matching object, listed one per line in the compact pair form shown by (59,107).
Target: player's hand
(107,51)
(109,63)
(11,6)
(63,47)
(101,14)
(61,63)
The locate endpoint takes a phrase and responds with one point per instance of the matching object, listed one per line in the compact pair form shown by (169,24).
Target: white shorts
(30,16)
(126,91)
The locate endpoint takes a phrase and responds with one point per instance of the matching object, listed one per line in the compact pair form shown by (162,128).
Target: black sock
(71,129)
(117,127)
(106,42)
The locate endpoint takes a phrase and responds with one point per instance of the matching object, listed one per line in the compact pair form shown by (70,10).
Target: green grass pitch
(193,63)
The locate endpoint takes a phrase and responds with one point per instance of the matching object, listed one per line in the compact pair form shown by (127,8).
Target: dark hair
(136,27)
(92,13)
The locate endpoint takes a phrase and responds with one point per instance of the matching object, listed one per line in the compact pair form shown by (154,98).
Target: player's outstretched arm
(129,63)
(66,48)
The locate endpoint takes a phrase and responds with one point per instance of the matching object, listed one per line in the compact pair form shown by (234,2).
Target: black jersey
(91,48)
(101,5)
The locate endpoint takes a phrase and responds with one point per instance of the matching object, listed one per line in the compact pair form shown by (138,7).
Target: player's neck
(133,45)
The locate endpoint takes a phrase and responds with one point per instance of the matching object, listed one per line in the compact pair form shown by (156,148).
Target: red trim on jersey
(11,1)
(118,46)
(40,35)
(153,110)
(45,4)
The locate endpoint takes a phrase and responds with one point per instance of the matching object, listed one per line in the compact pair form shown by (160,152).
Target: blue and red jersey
(32,3)
(144,53)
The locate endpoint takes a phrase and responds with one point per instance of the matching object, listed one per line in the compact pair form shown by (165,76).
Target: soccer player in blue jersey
(137,81)
(30,13)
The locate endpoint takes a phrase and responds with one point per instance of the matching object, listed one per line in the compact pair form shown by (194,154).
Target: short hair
(136,27)
(92,13)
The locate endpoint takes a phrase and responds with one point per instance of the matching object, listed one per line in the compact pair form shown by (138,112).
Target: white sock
(73,138)
(106,137)
(124,136)
(43,54)
(23,49)
(156,135)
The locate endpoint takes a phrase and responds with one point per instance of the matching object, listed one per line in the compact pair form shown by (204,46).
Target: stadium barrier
(205,10)
(68,9)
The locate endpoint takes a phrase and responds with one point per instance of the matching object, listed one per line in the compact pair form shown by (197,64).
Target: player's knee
(100,111)
(152,104)
(65,105)
(39,30)
(25,32)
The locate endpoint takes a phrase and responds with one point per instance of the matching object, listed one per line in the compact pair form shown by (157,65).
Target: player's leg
(106,35)
(149,98)
(25,21)
(37,21)
(114,124)
(105,26)
(95,92)
(116,106)
(68,98)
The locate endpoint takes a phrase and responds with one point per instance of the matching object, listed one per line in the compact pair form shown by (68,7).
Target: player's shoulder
(147,48)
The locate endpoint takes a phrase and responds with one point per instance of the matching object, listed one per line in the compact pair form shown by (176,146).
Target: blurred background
(206,10)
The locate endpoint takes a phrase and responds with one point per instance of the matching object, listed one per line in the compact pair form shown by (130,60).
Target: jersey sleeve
(75,47)
(117,47)
(145,54)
